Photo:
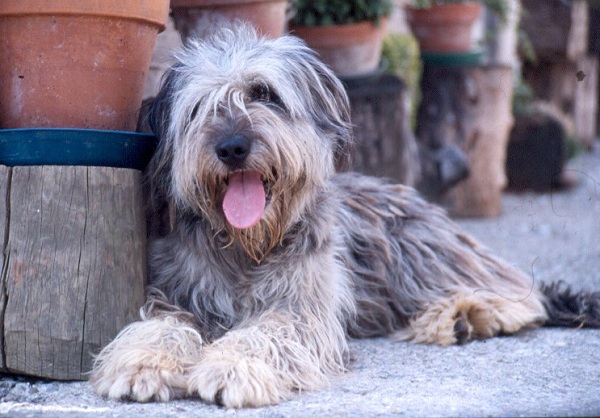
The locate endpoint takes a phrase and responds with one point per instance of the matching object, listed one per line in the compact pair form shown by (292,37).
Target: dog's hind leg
(148,360)
(467,315)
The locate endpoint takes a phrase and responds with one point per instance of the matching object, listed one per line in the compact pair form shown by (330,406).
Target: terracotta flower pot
(444,28)
(74,63)
(350,50)
(195,18)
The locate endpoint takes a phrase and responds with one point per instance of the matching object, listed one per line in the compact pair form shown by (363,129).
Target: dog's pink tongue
(244,201)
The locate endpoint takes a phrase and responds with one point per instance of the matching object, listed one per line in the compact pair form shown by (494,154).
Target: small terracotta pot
(74,63)
(444,28)
(350,50)
(196,18)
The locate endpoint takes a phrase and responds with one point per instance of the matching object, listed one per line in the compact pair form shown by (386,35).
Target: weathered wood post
(565,74)
(74,265)
(469,107)
(385,145)
(73,257)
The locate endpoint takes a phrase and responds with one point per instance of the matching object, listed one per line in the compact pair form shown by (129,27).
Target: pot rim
(76,147)
(155,12)
(467,11)
(216,3)
(347,33)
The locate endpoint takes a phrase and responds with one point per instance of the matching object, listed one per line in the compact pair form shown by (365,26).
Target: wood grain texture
(488,134)
(75,266)
(470,108)
(5,174)
(384,143)
(585,107)
(557,29)
(571,88)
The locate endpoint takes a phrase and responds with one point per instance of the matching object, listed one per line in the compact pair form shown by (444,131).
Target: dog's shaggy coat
(250,301)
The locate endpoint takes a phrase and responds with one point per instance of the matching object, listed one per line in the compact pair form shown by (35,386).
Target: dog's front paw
(138,383)
(236,383)
(147,361)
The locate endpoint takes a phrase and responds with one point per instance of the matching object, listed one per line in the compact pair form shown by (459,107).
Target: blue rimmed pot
(73,236)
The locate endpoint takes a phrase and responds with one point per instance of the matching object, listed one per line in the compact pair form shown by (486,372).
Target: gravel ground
(546,372)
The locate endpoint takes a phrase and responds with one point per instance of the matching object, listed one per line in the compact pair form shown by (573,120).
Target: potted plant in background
(347,34)
(195,18)
(446,26)
(72,63)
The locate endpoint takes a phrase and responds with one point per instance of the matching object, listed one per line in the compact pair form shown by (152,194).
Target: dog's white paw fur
(147,361)
(140,383)
(236,382)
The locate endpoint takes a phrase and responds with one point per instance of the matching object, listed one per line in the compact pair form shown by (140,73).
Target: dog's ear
(332,113)
(344,135)
(158,173)
(159,115)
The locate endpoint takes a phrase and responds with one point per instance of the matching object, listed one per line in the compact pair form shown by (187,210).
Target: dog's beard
(257,241)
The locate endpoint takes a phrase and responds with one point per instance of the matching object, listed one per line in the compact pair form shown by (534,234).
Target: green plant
(336,12)
(401,52)
(524,44)
(523,97)
(498,7)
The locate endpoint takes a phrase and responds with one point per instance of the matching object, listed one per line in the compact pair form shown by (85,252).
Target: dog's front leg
(148,360)
(262,362)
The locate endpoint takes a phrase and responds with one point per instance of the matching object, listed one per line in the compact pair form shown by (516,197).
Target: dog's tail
(571,309)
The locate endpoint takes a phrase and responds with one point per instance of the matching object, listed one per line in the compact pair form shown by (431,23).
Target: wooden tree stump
(468,108)
(572,89)
(564,75)
(5,174)
(74,265)
(384,143)
(557,28)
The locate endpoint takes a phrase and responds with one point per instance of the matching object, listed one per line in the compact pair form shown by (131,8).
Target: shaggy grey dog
(273,260)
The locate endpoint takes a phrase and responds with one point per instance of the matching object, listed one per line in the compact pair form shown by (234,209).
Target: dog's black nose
(233,150)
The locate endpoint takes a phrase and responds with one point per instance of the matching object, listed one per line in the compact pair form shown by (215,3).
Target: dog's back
(417,275)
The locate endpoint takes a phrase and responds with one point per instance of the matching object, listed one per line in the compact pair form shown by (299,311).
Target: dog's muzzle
(244,201)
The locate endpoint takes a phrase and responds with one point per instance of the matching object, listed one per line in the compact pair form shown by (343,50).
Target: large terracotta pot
(444,28)
(196,18)
(74,63)
(350,50)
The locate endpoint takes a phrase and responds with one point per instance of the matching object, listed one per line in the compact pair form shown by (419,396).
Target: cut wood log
(557,29)
(586,101)
(468,108)
(572,87)
(384,143)
(562,34)
(74,265)
(5,174)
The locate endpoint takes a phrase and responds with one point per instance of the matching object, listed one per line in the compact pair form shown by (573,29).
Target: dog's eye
(260,93)
(264,94)
(194,111)
(192,115)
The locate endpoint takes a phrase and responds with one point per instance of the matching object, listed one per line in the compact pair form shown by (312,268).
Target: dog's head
(250,128)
